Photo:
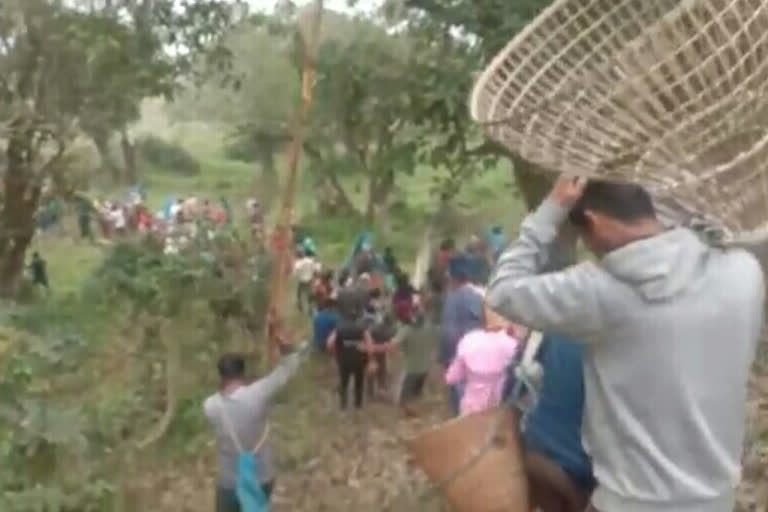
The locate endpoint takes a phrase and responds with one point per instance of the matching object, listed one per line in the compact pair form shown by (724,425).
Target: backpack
(351,302)
(249,492)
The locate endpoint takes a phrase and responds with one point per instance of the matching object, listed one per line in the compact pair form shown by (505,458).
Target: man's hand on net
(568,189)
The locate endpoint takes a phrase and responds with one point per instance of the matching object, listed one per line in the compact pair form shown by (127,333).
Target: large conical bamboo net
(667,93)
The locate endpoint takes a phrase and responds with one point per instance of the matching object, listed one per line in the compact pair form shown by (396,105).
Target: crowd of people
(181,224)
(640,406)
(129,215)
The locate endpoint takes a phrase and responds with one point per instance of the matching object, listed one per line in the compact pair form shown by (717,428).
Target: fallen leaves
(334,461)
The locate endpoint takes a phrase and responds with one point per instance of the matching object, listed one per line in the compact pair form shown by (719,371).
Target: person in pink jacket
(480,366)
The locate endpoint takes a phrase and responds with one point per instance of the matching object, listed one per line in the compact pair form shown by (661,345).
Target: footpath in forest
(354,461)
(328,460)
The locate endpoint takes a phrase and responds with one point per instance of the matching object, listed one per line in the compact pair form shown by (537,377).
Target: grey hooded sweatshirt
(671,327)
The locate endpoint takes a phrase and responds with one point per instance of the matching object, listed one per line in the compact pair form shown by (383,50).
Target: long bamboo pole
(282,241)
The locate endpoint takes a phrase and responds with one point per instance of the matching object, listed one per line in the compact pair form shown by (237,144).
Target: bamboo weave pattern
(670,94)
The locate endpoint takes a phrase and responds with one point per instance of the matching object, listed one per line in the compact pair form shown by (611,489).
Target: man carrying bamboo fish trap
(643,103)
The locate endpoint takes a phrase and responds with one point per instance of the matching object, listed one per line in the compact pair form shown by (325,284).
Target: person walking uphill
(462,312)
(671,327)
(39,270)
(304,269)
(238,415)
(416,340)
(559,471)
(351,342)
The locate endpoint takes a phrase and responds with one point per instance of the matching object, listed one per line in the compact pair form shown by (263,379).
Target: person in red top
(143,219)
(437,276)
(322,286)
(404,293)
(220,216)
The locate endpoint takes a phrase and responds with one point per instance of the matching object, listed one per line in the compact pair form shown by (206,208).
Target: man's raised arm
(522,290)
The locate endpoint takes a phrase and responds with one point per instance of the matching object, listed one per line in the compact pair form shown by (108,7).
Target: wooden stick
(282,241)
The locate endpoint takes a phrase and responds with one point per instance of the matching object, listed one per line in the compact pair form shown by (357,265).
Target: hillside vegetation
(103,376)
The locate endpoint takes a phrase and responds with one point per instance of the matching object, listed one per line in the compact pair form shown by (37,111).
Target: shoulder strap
(231,429)
(228,424)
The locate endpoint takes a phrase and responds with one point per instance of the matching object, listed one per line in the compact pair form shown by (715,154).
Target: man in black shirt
(39,270)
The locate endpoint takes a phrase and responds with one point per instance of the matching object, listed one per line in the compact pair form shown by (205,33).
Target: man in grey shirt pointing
(670,326)
(238,415)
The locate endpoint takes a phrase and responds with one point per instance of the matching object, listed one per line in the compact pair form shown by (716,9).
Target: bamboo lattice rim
(675,98)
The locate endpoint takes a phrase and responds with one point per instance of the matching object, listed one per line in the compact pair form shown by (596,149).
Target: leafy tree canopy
(71,66)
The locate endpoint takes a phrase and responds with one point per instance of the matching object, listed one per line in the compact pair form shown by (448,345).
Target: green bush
(167,156)
(142,276)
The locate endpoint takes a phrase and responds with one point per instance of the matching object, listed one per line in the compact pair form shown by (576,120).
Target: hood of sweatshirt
(661,266)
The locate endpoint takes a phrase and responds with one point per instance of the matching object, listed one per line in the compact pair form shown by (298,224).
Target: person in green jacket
(417,342)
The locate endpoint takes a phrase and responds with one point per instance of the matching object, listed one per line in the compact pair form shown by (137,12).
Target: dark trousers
(413,387)
(351,367)
(226,499)
(85,227)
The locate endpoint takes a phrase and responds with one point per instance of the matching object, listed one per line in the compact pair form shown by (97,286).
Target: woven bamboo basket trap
(476,462)
(670,94)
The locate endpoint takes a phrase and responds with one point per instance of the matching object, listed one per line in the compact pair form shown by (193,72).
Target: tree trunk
(340,199)
(370,207)
(329,178)
(383,200)
(533,183)
(101,141)
(129,155)
(17,215)
(269,181)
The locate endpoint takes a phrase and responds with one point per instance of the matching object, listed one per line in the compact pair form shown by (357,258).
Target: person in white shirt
(175,210)
(304,270)
(117,216)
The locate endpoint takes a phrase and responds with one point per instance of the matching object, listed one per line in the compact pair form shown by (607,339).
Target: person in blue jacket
(559,470)
(496,241)
(462,312)
(324,322)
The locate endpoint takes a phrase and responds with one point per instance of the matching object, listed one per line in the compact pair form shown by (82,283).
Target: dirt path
(331,461)
(328,460)
(353,460)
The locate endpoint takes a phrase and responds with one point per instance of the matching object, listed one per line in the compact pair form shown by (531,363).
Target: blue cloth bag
(249,491)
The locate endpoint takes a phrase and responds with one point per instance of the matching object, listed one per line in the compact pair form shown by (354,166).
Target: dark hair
(448,244)
(375,293)
(625,202)
(231,366)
